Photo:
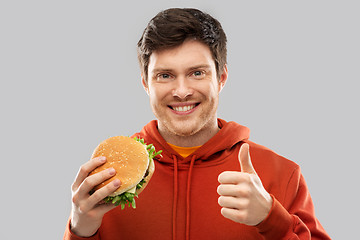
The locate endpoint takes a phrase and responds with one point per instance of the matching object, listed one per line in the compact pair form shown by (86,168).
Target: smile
(184,108)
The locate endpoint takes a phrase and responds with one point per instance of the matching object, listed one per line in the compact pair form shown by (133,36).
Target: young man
(212,182)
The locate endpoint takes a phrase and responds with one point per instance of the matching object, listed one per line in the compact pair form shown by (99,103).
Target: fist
(242,196)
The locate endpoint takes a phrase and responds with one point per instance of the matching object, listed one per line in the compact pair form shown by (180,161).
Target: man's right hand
(86,213)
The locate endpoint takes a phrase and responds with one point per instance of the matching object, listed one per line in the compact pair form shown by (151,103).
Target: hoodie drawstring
(188,198)
(188,186)
(175,196)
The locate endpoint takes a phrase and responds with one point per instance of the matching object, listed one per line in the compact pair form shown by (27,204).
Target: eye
(198,74)
(163,77)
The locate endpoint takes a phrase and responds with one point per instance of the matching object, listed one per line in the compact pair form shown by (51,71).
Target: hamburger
(133,161)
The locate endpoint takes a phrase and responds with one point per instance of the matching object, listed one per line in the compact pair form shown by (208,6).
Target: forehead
(188,54)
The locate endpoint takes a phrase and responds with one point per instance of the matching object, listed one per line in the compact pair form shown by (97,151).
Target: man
(212,182)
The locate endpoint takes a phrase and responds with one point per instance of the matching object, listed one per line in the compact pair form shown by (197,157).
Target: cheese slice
(132,190)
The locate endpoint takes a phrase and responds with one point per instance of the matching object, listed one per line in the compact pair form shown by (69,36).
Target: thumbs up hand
(242,196)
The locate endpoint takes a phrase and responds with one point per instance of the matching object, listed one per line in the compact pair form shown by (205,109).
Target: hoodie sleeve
(295,217)
(69,235)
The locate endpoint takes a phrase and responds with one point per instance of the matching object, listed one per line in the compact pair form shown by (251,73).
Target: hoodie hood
(217,147)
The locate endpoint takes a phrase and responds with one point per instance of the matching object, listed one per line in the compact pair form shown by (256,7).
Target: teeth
(184,109)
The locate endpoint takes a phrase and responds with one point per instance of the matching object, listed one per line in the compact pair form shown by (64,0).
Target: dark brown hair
(171,27)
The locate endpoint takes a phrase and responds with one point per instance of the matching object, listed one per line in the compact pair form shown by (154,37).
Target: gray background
(70,78)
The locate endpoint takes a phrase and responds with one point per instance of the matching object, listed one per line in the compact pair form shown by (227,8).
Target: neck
(197,139)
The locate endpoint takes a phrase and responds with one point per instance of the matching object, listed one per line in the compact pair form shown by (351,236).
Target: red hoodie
(181,200)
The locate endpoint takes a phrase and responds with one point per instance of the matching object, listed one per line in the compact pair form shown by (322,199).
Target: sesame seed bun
(129,158)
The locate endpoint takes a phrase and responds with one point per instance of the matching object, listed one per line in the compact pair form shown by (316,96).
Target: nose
(182,88)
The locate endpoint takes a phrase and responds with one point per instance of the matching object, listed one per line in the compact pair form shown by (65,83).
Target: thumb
(245,160)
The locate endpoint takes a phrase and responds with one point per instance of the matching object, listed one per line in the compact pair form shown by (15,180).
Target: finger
(226,189)
(85,169)
(233,177)
(245,160)
(91,181)
(234,214)
(239,190)
(103,192)
(233,202)
(99,195)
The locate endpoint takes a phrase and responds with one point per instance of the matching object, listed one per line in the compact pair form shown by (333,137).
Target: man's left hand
(242,196)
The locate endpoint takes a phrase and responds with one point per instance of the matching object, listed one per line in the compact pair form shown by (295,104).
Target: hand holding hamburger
(133,162)
(118,171)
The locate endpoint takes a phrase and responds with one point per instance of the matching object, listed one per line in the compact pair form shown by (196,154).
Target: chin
(186,128)
(185,132)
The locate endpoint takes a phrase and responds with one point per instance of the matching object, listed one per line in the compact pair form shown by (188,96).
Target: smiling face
(184,90)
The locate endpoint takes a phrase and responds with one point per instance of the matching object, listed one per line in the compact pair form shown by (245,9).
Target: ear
(145,84)
(223,78)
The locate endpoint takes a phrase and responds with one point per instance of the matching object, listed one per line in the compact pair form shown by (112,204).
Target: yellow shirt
(184,151)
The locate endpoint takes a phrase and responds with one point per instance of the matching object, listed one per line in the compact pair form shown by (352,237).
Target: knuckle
(237,189)
(243,203)
(73,187)
(241,216)
(103,192)
(244,191)
(84,169)
(107,172)
(110,188)
(237,204)
(74,199)
(88,182)
(82,208)
(97,196)
(246,203)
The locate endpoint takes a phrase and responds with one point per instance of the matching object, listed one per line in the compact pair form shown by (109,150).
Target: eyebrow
(160,69)
(200,66)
